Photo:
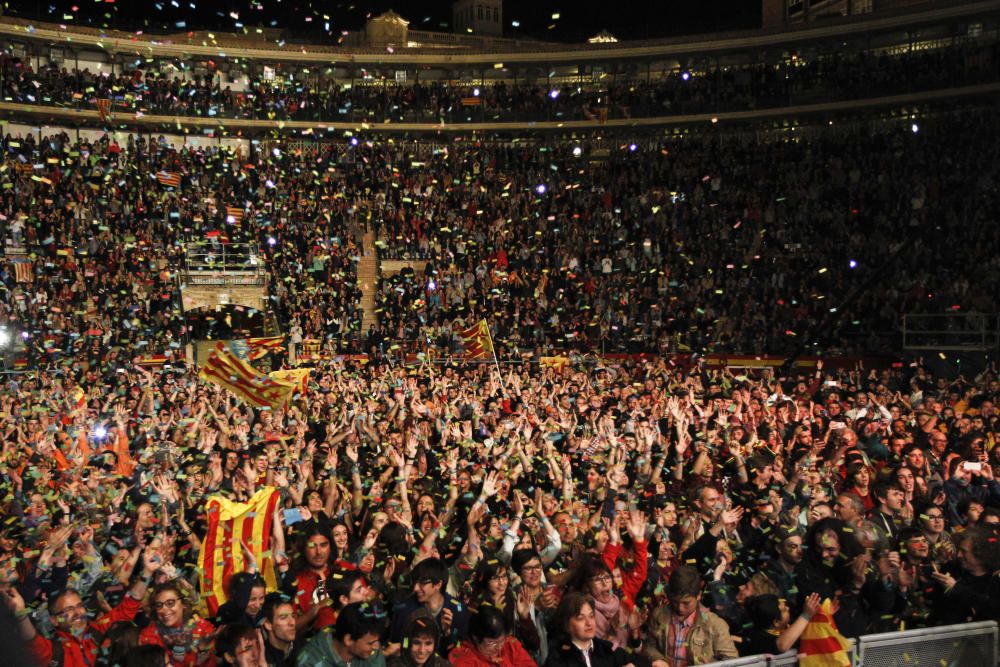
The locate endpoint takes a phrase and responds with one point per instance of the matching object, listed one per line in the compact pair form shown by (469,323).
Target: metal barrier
(961,332)
(967,644)
(749,661)
(791,658)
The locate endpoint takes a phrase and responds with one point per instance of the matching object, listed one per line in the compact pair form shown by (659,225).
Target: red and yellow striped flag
(234,214)
(297,378)
(221,556)
(24,271)
(103,108)
(230,372)
(171,179)
(259,347)
(477,341)
(151,360)
(821,644)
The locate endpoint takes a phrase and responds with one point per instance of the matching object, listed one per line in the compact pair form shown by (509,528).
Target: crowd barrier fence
(967,644)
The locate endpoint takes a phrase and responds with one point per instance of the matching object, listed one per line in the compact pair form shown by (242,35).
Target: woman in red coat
(490,643)
(189,640)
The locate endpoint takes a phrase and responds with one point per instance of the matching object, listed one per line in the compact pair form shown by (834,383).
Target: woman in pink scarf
(614,606)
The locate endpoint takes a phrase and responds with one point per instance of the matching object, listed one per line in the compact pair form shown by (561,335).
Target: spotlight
(475,92)
(540,188)
(685,75)
(271,241)
(354,141)
(100,432)
(633,147)
(431,285)
(853,264)
(915,128)
(554,93)
(577,151)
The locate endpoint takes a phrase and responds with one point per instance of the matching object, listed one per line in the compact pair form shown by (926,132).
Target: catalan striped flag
(24,270)
(151,360)
(477,341)
(471,101)
(229,524)
(234,214)
(171,179)
(103,108)
(259,347)
(228,371)
(297,378)
(821,644)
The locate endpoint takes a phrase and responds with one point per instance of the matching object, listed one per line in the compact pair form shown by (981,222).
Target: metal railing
(791,658)
(749,661)
(969,332)
(973,644)
(225,264)
(967,644)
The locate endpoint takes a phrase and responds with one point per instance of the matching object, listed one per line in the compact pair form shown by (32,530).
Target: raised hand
(152,561)
(491,484)
(524,603)
(636,525)
(812,605)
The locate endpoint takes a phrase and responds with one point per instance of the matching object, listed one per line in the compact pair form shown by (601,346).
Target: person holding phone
(968,483)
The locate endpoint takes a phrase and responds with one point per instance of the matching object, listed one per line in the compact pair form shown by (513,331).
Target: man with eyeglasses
(77,639)
(429,579)
(527,563)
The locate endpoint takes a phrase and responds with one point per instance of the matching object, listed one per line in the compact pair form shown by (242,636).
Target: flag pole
(493,348)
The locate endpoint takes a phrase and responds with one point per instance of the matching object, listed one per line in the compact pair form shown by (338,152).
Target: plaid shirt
(677,644)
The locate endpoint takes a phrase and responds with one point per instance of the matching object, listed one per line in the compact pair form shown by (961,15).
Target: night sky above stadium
(577,19)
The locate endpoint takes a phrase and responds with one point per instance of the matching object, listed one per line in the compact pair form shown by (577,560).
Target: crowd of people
(817,240)
(632,512)
(580,511)
(311,95)
(703,243)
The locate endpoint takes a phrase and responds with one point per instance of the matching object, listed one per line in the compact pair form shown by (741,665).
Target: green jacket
(319,652)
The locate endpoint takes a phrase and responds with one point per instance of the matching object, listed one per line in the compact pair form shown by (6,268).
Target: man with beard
(77,639)
(781,570)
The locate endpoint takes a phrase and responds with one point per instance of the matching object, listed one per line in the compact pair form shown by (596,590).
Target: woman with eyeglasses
(188,638)
(491,588)
(490,643)
(614,598)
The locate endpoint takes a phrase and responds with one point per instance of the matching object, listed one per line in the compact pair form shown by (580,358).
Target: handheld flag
(821,644)
(477,341)
(227,370)
(104,109)
(230,525)
(171,179)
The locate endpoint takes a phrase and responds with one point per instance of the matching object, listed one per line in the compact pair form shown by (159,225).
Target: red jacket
(203,631)
(632,580)
(511,655)
(82,651)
